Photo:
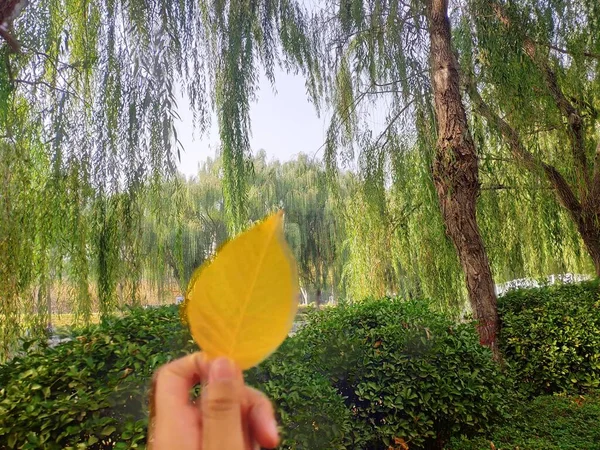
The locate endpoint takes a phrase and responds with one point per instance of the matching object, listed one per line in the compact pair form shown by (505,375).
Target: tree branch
(171,262)
(389,125)
(396,82)
(563,191)
(387,91)
(564,51)
(14,45)
(49,86)
(595,190)
(503,187)
(573,116)
(540,130)
(347,112)
(396,221)
(45,84)
(496,158)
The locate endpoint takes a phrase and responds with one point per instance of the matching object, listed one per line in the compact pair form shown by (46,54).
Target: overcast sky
(283,124)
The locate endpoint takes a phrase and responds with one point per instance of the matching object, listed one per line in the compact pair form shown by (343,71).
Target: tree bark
(10,40)
(455,174)
(588,226)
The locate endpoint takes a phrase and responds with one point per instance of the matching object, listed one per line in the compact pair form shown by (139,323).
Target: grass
(69,319)
(547,422)
(61,322)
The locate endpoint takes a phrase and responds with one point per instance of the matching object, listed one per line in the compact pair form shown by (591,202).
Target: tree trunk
(455,174)
(589,229)
(49,305)
(319,298)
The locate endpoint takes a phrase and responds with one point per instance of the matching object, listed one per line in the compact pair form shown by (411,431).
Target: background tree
(539,77)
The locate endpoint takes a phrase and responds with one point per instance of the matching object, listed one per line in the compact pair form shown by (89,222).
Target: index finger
(172,383)
(174,421)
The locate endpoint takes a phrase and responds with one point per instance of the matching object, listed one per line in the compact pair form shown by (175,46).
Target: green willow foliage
(88,138)
(245,33)
(567,39)
(376,60)
(90,200)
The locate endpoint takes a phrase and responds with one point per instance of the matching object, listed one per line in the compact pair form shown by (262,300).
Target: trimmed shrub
(312,415)
(91,392)
(377,375)
(550,337)
(408,375)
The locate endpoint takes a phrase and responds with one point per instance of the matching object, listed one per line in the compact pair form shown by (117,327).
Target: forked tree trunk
(455,174)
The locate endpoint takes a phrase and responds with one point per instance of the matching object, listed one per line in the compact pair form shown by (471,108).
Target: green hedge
(312,415)
(405,372)
(368,376)
(93,390)
(550,337)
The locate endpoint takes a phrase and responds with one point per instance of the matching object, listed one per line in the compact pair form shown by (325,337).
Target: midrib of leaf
(244,305)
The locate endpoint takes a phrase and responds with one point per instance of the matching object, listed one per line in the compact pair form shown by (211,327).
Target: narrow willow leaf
(242,303)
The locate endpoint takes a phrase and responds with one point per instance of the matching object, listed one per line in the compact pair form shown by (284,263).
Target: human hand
(230,415)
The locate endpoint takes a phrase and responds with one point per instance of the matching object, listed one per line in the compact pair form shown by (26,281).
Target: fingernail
(273,430)
(221,369)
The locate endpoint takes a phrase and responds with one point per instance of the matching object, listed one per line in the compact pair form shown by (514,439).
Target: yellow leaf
(242,303)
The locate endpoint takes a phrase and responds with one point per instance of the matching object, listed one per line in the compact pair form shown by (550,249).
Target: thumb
(221,407)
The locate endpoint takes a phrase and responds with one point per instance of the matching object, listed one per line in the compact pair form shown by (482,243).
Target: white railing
(520,283)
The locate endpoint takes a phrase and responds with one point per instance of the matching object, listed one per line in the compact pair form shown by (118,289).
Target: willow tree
(200,227)
(375,47)
(89,106)
(535,78)
(315,233)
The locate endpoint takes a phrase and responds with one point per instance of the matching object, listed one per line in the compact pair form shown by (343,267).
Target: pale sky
(284,124)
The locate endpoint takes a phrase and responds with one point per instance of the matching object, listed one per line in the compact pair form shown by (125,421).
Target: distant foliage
(550,338)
